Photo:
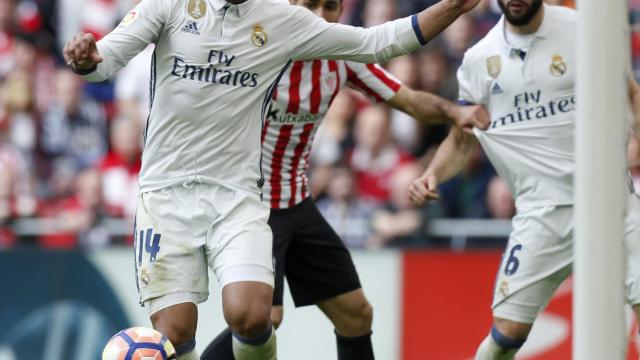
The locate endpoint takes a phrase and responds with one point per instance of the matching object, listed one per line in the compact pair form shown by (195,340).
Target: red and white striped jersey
(301,101)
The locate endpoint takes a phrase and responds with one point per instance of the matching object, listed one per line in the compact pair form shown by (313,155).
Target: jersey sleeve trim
(355,80)
(416,29)
(382,76)
(464,102)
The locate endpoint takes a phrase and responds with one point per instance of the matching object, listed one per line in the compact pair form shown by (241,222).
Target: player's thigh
(537,259)
(281,224)
(319,266)
(632,246)
(239,243)
(169,258)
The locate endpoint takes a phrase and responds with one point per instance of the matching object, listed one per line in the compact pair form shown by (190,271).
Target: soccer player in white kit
(318,266)
(214,70)
(523,71)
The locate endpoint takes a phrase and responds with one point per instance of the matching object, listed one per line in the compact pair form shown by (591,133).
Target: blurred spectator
(16,196)
(371,12)
(458,38)
(435,73)
(7,30)
(398,223)
(464,195)
(7,237)
(18,123)
(120,168)
(406,131)
(485,16)
(409,7)
(499,199)
(327,144)
(77,218)
(98,17)
(346,213)
(38,69)
(74,129)
(378,12)
(375,157)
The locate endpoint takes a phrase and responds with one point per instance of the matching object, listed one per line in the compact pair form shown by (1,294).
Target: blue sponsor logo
(216,71)
(191,28)
(529,106)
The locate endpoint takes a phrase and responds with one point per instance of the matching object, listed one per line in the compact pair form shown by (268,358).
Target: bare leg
(352,315)
(178,323)
(247,310)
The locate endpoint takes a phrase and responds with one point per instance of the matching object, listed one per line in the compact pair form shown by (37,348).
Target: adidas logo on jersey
(496,89)
(191,28)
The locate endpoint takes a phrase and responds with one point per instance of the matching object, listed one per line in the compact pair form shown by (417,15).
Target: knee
(512,329)
(250,321)
(355,320)
(178,332)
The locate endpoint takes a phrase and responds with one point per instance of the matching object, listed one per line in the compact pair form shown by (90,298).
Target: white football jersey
(532,103)
(213,74)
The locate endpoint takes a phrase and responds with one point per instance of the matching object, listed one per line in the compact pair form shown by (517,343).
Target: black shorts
(311,255)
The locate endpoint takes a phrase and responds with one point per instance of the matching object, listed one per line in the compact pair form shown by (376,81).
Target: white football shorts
(539,255)
(180,231)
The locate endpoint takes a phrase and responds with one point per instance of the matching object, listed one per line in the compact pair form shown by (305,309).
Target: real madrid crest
(558,66)
(504,288)
(494,66)
(197,8)
(258,36)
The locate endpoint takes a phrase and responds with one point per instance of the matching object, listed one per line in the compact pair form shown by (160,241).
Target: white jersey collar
(242,8)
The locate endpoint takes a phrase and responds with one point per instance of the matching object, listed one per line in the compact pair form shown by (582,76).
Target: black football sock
(354,348)
(221,348)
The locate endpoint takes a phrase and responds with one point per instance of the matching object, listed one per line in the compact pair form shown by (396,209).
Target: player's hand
(81,52)
(468,117)
(464,5)
(424,189)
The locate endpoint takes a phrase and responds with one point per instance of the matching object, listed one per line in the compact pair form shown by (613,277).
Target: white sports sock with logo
(265,351)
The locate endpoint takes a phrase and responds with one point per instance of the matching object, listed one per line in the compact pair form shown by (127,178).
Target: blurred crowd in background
(70,151)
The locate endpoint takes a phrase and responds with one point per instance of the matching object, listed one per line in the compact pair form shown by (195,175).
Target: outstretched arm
(451,157)
(431,108)
(314,38)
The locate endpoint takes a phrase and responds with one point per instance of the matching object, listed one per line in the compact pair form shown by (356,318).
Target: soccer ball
(139,343)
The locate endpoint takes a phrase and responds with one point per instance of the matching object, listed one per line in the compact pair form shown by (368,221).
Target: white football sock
(265,351)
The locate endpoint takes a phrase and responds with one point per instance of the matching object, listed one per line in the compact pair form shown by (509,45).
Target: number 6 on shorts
(512,262)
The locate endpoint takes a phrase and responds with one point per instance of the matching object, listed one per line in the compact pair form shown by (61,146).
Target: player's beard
(520,20)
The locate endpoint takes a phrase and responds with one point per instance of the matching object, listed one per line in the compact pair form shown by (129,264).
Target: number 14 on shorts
(150,243)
